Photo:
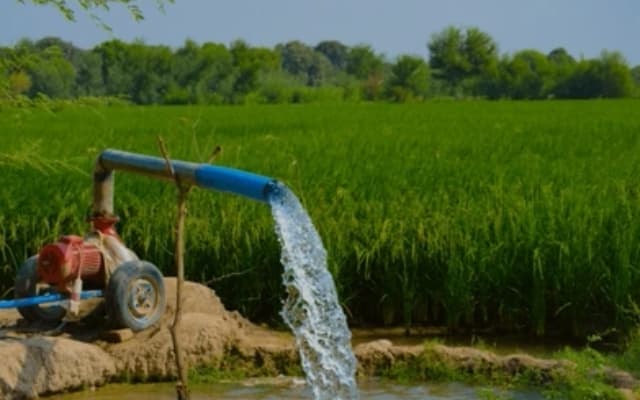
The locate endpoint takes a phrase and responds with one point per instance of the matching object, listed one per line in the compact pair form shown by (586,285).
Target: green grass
(582,377)
(518,216)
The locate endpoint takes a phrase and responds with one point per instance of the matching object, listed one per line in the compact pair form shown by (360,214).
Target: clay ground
(35,363)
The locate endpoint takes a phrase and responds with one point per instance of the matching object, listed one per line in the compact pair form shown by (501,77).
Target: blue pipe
(247,184)
(46,298)
(253,186)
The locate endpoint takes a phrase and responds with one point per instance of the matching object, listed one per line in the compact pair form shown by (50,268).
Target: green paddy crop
(512,216)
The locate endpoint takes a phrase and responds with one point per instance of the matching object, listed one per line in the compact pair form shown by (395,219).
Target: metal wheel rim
(143,298)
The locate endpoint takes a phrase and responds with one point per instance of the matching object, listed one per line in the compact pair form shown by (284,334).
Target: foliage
(363,62)
(461,64)
(635,73)
(526,75)
(51,74)
(514,216)
(303,61)
(607,76)
(66,7)
(455,55)
(409,79)
(581,380)
(336,52)
(629,358)
(586,380)
(249,63)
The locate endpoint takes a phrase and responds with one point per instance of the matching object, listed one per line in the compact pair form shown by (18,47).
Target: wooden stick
(182,389)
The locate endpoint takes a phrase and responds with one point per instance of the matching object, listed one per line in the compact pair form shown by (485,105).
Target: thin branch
(165,155)
(65,7)
(182,390)
(229,275)
(6,293)
(214,154)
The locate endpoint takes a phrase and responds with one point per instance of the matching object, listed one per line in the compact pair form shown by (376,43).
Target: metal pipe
(46,298)
(253,186)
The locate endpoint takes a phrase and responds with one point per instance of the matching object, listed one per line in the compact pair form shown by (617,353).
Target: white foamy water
(311,309)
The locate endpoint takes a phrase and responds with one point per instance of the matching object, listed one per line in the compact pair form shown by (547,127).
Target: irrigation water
(278,389)
(311,309)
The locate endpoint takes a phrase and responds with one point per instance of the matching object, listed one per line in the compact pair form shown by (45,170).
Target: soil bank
(34,364)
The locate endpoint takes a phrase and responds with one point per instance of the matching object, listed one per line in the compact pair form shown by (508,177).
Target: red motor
(60,262)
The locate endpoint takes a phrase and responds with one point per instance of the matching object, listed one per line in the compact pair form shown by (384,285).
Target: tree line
(461,63)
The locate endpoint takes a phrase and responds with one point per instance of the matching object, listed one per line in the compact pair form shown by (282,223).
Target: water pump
(134,289)
(50,285)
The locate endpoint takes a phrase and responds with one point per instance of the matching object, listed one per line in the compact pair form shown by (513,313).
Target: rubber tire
(119,292)
(26,286)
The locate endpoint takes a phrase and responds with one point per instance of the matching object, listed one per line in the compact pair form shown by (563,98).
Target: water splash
(311,309)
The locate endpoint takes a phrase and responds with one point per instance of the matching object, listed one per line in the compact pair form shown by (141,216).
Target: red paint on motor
(105,224)
(59,263)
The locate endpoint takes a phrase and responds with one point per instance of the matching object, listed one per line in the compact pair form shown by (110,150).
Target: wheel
(135,295)
(27,285)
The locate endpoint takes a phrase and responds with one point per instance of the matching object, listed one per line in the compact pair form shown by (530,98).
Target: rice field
(508,216)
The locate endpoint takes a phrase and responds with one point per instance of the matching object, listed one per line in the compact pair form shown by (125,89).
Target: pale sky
(583,27)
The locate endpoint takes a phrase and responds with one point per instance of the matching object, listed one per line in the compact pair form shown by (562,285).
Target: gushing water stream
(311,309)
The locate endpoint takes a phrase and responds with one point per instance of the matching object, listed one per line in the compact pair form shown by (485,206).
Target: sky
(391,27)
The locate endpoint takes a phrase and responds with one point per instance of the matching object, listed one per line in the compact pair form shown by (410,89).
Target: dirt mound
(207,332)
(379,355)
(210,335)
(40,365)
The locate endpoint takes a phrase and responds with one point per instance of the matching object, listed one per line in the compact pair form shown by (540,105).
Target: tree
(409,78)
(248,63)
(151,70)
(559,56)
(116,78)
(455,55)
(562,66)
(607,76)
(368,67)
(14,64)
(635,74)
(446,55)
(301,60)
(88,66)
(363,62)
(336,52)
(480,51)
(68,50)
(527,75)
(616,76)
(18,83)
(51,74)
(203,74)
